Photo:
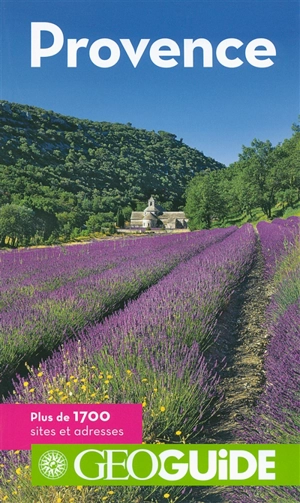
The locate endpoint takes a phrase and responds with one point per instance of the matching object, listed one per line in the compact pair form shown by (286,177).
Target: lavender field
(151,314)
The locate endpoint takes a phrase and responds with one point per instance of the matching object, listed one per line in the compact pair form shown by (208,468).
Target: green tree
(287,163)
(205,201)
(120,220)
(95,222)
(17,223)
(258,175)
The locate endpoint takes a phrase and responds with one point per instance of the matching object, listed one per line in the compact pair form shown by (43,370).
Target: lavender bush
(277,239)
(42,320)
(23,272)
(150,352)
(276,418)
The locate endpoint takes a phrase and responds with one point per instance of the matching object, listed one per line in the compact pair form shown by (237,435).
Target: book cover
(149,251)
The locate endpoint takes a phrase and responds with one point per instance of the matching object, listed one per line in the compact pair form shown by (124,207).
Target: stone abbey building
(155,216)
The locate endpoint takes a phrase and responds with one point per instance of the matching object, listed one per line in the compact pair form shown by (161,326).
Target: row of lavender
(150,352)
(42,320)
(23,272)
(277,239)
(276,418)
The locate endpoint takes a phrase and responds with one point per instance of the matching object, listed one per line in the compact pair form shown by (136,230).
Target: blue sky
(216,110)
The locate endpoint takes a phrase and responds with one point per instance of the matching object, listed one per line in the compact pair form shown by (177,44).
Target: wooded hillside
(69,171)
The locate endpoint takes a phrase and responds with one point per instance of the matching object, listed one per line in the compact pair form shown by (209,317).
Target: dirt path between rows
(242,340)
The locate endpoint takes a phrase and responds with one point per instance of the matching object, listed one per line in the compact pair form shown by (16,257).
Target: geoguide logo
(165,465)
(53,464)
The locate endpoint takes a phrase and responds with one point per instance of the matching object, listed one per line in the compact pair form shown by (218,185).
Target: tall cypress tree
(120,218)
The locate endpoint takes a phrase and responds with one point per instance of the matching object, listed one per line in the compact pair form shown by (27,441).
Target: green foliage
(96,222)
(263,183)
(292,211)
(17,225)
(67,169)
(120,222)
(205,201)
